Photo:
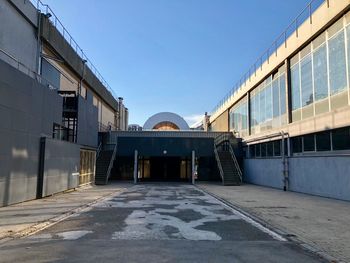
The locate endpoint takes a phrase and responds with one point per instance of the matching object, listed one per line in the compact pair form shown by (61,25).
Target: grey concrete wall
(87,121)
(27,112)
(16,27)
(61,168)
(267,172)
(327,176)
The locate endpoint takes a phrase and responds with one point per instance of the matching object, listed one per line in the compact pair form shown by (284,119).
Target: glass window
(263,150)
(306,81)
(51,76)
(341,139)
(320,73)
(257,150)
(269,148)
(277,148)
(323,141)
(262,106)
(276,96)
(337,65)
(309,143)
(283,94)
(295,87)
(252,151)
(297,144)
(348,48)
(268,103)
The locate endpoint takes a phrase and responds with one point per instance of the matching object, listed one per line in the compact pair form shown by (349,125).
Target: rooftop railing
(45,9)
(292,28)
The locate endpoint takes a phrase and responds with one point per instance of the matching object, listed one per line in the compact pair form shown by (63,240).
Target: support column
(288,92)
(193,165)
(135,166)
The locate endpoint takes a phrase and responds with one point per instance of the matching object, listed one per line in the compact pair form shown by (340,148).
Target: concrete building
(292,108)
(53,103)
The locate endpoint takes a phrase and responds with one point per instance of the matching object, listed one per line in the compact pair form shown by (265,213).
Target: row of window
(335,140)
(319,71)
(320,76)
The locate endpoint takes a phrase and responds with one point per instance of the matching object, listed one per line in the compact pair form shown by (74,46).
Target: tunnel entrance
(174,169)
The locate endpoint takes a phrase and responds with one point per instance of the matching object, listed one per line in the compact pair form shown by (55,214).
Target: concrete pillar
(288,92)
(135,166)
(193,165)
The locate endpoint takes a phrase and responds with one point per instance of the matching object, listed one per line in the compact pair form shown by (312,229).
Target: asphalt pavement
(155,223)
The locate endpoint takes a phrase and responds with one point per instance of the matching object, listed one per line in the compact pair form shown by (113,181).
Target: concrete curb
(36,227)
(292,238)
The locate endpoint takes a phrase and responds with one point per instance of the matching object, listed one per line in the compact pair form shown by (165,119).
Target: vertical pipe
(135,166)
(193,165)
(283,164)
(288,92)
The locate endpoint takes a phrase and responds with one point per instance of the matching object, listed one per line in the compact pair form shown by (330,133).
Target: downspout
(285,164)
(39,47)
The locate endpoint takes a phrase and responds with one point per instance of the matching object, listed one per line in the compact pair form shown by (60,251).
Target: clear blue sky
(181,56)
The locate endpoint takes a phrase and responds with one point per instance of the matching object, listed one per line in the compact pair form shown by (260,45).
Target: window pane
(306,81)
(295,87)
(323,141)
(283,94)
(348,47)
(275,96)
(341,139)
(337,68)
(309,143)
(263,150)
(262,106)
(257,150)
(296,144)
(252,111)
(269,147)
(51,76)
(320,73)
(252,151)
(277,148)
(268,105)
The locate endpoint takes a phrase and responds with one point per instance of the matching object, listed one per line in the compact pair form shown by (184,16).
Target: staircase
(104,165)
(230,171)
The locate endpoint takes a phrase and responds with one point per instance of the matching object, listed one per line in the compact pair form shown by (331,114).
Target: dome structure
(166,121)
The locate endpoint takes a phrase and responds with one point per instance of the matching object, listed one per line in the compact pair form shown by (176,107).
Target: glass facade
(239,118)
(268,103)
(319,78)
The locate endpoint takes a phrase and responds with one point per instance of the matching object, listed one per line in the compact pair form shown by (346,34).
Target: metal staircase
(104,164)
(229,169)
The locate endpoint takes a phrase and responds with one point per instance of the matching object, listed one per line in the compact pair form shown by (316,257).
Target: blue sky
(181,56)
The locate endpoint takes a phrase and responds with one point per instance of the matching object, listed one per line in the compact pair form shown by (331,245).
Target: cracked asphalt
(156,223)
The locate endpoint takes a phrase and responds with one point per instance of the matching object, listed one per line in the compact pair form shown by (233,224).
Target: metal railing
(235,162)
(292,28)
(110,166)
(45,9)
(219,163)
(14,62)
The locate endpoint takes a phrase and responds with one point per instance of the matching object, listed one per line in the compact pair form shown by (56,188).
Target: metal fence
(292,28)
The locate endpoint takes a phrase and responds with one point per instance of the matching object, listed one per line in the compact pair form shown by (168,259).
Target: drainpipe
(82,77)
(285,161)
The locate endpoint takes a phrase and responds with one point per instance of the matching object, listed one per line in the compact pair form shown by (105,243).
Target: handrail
(98,150)
(111,163)
(305,14)
(45,9)
(235,161)
(219,163)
